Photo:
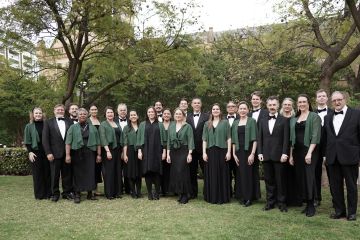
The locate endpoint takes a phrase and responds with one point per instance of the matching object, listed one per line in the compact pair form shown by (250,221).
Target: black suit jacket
(272,146)
(198,130)
(52,140)
(345,147)
(264,113)
(322,145)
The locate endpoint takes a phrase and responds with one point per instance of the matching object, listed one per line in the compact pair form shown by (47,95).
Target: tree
(329,28)
(90,29)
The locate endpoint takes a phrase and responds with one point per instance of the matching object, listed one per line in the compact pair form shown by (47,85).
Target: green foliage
(14,161)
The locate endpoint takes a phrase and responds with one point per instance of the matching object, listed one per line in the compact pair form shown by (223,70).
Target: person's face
(166,115)
(133,117)
(38,114)
(109,114)
(82,116)
(122,111)
(338,101)
(231,108)
(151,114)
(272,106)
(59,112)
(287,106)
(215,111)
(243,110)
(183,105)
(196,105)
(178,116)
(158,107)
(93,111)
(321,98)
(303,104)
(255,101)
(73,111)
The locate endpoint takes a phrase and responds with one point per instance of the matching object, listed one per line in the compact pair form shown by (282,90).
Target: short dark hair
(257,93)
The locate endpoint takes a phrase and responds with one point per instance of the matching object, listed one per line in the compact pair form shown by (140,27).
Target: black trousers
(41,176)
(112,173)
(274,176)
(59,167)
(338,173)
(196,159)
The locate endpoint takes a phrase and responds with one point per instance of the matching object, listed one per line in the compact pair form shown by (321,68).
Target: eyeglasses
(337,100)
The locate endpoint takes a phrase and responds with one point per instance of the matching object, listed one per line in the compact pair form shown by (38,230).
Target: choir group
(167,148)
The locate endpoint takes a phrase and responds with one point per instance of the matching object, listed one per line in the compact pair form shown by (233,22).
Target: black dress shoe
(268,207)
(55,198)
(310,211)
(77,199)
(337,215)
(156,196)
(247,203)
(91,196)
(351,217)
(283,208)
(150,196)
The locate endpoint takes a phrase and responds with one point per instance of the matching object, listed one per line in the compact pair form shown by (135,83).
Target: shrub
(14,161)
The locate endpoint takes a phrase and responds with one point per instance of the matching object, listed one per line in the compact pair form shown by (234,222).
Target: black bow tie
(196,114)
(270,117)
(160,115)
(61,119)
(230,117)
(75,120)
(256,110)
(122,120)
(341,112)
(321,110)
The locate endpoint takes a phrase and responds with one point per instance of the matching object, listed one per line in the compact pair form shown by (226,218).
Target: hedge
(14,161)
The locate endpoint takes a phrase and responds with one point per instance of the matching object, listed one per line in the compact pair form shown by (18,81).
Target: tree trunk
(325,81)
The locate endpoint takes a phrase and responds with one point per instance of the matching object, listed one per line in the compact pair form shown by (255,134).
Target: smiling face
(303,104)
(287,106)
(158,107)
(151,114)
(166,115)
(196,104)
(82,115)
(273,106)
(243,110)
(133,116)
(93,111)
(38,114)
(183,105)
(59,111)
(109,114)
(231,108)
(215,111)
(122,111)
(255,101)
(321,98)
(73,111)
(338,101)
(178,115)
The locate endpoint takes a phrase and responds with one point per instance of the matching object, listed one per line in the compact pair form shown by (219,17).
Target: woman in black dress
(305,132)
(94,120)
(165,177)
(151,149)
(243,135)
(180,144)
(82,151)
(216,154)
(110,141)
(132,168)
(39,164)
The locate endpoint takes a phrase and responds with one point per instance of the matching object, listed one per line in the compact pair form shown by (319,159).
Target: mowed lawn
(22,217)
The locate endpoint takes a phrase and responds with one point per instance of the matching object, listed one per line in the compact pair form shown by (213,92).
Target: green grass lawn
(22,217)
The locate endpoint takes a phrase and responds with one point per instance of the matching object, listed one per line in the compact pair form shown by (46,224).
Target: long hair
(147,118)
(292,106)
(108,108)
(31,114)
(137,121)
(211,117)
(298,112)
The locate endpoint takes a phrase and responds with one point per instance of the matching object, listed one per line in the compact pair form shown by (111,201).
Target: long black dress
(98,166)
(112,170)
(216,176)
(83,164)
(245,180)
(40,168)
(165,176)
(305,173)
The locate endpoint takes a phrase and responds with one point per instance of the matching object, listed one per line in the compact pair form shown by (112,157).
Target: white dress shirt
(338,120)
(272,123)
(231,120)
(322,115)
(255,115)
(196,119)
(62,127)
(122,124)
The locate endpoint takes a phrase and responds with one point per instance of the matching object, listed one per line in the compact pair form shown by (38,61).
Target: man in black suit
(273,150)
(257,112)
(121,122)
(342,131)
(231,116)
(196,119)
(322,110)
(159,109)
(53,140)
